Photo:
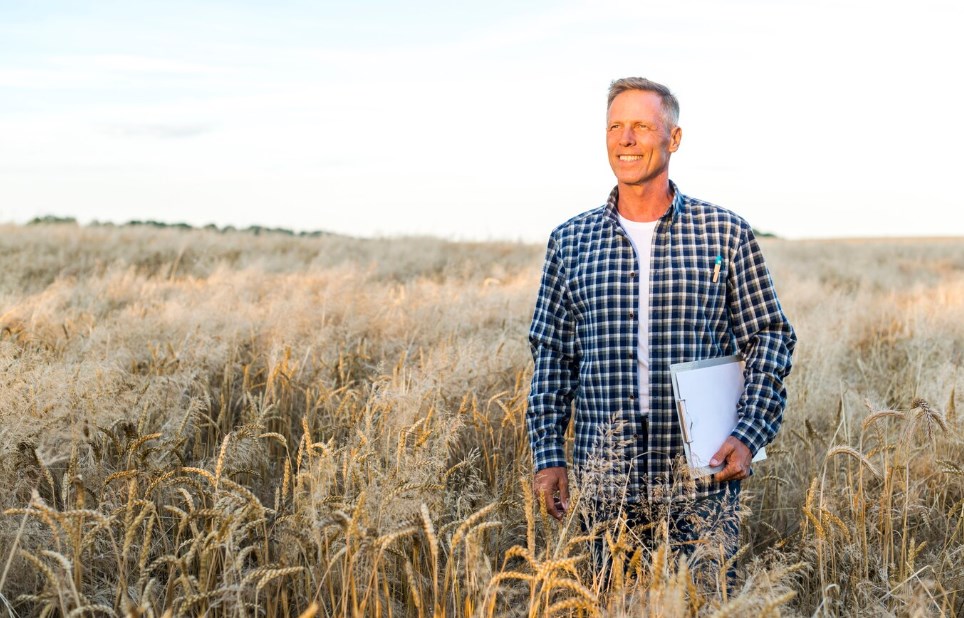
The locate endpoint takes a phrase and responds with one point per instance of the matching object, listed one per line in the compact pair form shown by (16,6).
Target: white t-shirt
(641,234)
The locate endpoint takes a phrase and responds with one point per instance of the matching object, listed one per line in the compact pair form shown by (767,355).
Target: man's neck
(645,202)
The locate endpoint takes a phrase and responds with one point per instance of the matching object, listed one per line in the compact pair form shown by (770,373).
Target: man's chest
(686,282)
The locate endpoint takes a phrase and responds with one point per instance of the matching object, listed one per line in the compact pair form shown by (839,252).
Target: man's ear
(675,136)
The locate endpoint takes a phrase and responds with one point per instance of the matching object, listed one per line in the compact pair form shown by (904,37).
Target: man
(651,278)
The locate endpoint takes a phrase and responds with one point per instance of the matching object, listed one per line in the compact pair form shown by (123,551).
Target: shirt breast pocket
(704,287)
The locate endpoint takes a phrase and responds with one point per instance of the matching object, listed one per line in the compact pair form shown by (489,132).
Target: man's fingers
(722,454)
(736,458)
(733,470)
(564,492)
(546,484)
(553,507)
(545,496)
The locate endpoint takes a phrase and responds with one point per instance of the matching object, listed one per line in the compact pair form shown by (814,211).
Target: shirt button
(633,274)
(632,397)
(632,314)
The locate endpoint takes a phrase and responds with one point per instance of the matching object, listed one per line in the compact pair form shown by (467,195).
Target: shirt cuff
(747,433)
(548,457)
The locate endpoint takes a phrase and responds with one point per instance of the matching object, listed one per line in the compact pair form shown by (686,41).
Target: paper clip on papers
(707,393)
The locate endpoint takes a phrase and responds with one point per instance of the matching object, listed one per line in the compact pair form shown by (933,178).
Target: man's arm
(766,340)
(552,339)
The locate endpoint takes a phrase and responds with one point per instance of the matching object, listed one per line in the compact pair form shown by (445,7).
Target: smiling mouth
(630,157)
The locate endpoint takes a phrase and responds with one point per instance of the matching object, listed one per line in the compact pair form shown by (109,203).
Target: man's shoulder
(579,224)
(703,213)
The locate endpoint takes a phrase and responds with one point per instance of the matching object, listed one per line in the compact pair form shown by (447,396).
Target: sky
(476,121)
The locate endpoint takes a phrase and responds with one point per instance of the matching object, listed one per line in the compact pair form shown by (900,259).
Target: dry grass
(221,424)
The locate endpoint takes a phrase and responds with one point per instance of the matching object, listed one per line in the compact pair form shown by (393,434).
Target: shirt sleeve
(552,339)
(765,338)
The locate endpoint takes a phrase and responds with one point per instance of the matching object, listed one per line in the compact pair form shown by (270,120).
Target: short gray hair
(670,102)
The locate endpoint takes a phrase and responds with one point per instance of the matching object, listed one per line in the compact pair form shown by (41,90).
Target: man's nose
(627,138)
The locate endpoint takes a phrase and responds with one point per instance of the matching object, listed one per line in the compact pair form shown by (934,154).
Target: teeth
(630,157)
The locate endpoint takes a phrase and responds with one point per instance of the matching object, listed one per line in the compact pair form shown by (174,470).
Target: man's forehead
(633,104)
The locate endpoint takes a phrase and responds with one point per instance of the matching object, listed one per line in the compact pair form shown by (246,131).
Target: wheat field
(198,423)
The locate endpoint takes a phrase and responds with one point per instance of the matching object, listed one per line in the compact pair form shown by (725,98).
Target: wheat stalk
(772,605)
(929,418)
(136,444)
(825,514)
(574,586)
(580,605)
(387,539)
(122,475)
(48,573)
(876,417)
(852,452)
(272,574)
(158,480)
(471,521)
(219,465)
(310,611)
(91,609)
(562,564)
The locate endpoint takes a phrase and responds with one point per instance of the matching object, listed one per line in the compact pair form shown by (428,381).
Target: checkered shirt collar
(675,208)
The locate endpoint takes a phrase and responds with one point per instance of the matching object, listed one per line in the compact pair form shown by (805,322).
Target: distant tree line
(251,229)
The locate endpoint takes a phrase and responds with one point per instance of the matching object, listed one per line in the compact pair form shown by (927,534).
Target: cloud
(38,78)
(132,63)
(91,71)
(158,130)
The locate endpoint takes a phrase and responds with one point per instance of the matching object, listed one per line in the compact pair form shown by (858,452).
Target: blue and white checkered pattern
(584,340)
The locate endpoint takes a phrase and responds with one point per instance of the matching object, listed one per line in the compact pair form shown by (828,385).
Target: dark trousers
(704,532)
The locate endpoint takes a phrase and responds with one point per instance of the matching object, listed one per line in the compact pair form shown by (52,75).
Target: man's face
(638,138)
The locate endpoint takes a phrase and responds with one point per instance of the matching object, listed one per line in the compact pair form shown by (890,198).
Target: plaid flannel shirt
(584,342)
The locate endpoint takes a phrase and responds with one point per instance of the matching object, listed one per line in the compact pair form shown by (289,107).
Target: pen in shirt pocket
(716,268)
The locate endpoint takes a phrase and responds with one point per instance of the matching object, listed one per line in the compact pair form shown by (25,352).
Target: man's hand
(546,484)
(736,459)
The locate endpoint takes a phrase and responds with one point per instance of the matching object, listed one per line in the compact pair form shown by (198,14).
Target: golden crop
(198,423)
